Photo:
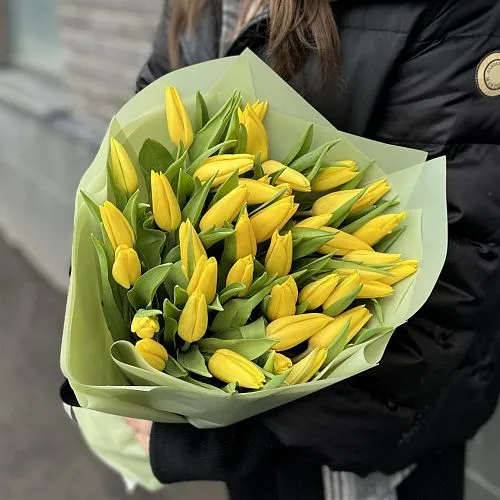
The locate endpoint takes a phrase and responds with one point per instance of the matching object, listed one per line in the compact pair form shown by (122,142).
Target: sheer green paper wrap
(112,378)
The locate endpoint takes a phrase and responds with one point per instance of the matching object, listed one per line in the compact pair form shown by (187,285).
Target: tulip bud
(166,209)
(328,203)
(204,278)
(122,169)
(179,124)
(259,192)
(335,175)
(257,141)
(283,300)
(379,227)
(231,367)
(404,269)
(365,276)
(273,218)
(241,272)
(260,108)
(127,267)
(342,243)
(117,226)
(145,326)
(368,258)
(317,293)
(224,166)
(316,222)
(281,363)
(191,247)
(375,290)
(225,210)
(289,176)
(306,368)
(244,236)
(374,192)
(279,255)
(193,322)
(358,317)
(153,353)
(293,330)
(345,288)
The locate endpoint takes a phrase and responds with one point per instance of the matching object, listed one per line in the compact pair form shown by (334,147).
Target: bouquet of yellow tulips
(229,258)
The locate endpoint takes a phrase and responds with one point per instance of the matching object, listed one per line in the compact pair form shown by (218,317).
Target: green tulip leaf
(173,256)
(359,223)
(215,128)
(174,369)
(309,241)
(180,296)
(215,305)
(387,241)
(212,236)
(154,156)
(274,176)
(342,304)
(301,308)
(115,194)
(232,132)
(257,167)
(317,166)
(230,291)
(367,334)
(202,115)
(194,362)
(207,154)
(334,264)
(147,313)
(276,381)
(130,211)
(269,364)
(170,310)
(230,184)
(302,147)
(337,346)
(379,313)
(261,282)
(112,313)
(341,213)
(354,183)
(141,296)
(242,139)
(149,244)
(91,205)
(231,388)
(274,199)
(309,159)
(248,348)
(169,332)
(195,205)
(255,330)
(175,277)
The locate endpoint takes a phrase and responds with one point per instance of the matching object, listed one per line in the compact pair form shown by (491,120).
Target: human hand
(142,431)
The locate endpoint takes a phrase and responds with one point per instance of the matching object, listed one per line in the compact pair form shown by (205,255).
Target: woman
(423,74)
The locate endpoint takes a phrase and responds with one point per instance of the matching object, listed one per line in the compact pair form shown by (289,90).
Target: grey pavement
(41,454)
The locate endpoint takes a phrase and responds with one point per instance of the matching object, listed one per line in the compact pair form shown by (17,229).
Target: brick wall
(105,44)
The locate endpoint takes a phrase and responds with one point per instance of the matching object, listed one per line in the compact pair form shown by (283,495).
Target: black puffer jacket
(414,75)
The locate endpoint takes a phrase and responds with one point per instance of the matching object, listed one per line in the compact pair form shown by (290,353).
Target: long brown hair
(296,28)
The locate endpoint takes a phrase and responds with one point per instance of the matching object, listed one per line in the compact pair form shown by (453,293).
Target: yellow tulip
(193,322)
(358,316)
(225,210)
(334,176)
(153,353)
(257,141)
(342,243)
(166,209)
(273,218)
(328,203)
(365,276)
(259,192)
(117,227)
(345,288)
(306,368)
(204,278)
(293,330)
(368,258)
(241,272)
(404,269)
(289,176)
(281,363)
(231,367)
(374,192)
(190,245)
(224,166)
(122,169)
(316,222)
(244,236)
(260,108)
(317,293)
(179,124)
(379,227)
(145,326)
(279,255)
(375,290)
(127,267)
(283,300)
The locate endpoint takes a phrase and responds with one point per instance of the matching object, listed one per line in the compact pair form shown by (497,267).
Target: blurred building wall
(66,66)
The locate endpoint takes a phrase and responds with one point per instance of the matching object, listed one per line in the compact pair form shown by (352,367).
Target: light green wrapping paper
(100,376)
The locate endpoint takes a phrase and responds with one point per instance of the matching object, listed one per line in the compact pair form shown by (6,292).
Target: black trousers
(437,478)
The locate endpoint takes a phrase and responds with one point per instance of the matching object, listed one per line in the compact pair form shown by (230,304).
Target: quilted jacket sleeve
(447,357)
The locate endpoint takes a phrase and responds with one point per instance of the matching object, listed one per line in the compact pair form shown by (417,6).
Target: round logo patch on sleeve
(488,75)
